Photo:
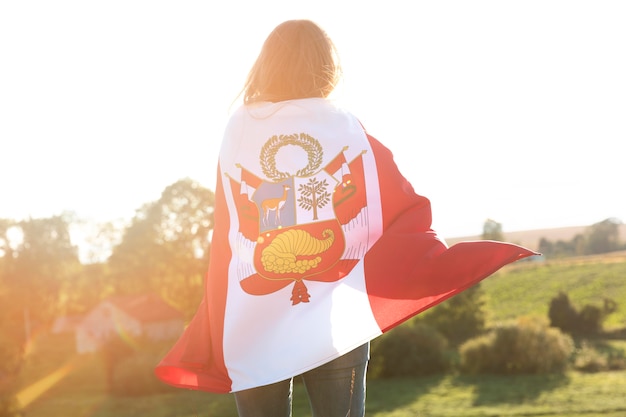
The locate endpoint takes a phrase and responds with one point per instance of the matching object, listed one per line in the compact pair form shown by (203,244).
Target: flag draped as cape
(320,245)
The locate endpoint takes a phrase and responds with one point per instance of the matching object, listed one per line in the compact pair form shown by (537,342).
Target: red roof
(145,307)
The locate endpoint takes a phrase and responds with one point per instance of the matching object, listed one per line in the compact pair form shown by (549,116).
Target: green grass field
(524,289)
(573,394)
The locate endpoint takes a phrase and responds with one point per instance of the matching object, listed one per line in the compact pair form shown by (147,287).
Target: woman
(320,244)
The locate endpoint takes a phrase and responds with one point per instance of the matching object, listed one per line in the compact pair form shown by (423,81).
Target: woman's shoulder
(260,116)
(264,109)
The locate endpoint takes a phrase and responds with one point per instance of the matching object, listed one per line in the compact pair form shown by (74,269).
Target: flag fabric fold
(320,245)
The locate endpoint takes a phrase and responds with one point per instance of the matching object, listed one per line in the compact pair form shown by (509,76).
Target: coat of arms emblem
(291,220)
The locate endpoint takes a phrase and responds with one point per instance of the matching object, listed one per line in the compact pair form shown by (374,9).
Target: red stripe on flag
(197,359)
(410,269)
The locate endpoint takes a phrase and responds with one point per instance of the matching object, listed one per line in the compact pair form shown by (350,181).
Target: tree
(603,237)
(586,322)
(578,244)
(12,330)
(135,261)
(562,314)
(12,343)
(460,317)
(166,247)
(413,349)
(546,247)
(314,195)
(563,248)
(38,258)
(492,230)
(8,229)
(83,289)
(98,238)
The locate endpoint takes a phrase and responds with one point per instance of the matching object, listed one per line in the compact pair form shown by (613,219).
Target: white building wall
(104,321)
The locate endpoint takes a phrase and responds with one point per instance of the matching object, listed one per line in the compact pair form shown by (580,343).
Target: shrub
(616,362)
(589,359)
(587,322)
(528,346)
(561,313)
(590,320)
(459,318)
(134,376)
(599,356)
(412,349)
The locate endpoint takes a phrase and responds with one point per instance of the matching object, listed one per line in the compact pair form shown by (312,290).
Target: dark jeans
(336,389)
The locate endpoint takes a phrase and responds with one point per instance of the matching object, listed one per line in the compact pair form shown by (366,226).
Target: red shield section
(299,252)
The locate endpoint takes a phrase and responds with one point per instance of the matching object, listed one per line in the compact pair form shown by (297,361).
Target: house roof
(145,307)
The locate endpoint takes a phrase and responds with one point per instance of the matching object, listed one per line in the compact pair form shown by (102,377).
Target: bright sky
(509,110)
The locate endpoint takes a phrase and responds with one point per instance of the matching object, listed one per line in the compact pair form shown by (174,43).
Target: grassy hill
(526,288)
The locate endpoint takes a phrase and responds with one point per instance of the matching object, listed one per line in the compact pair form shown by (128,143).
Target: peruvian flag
(320,245)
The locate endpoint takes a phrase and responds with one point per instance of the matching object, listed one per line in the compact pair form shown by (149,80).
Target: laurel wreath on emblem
(270,149)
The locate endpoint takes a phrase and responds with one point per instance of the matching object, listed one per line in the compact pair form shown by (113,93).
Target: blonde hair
(297,60)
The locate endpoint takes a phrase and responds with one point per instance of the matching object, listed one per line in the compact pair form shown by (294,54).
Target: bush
(590,320)
(587,322)
(134,376)
(561,313)
(616,362)
(459,318)
(588,359)
(597,356)
(525,347)
(413,349)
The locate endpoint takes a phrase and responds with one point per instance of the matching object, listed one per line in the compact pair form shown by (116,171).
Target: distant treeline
(602,237)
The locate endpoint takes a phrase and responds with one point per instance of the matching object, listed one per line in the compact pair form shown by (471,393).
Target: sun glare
(35,390)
